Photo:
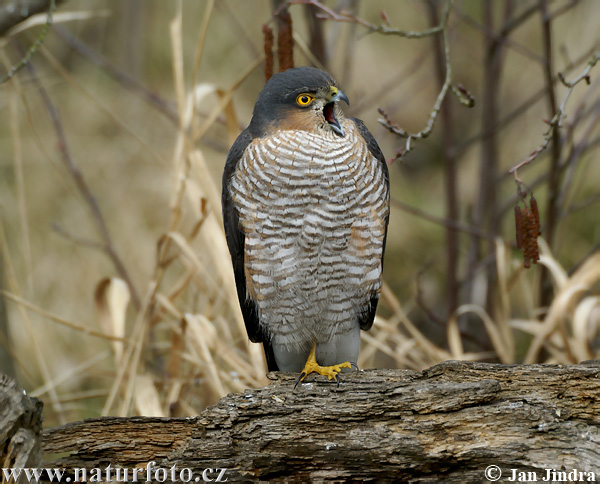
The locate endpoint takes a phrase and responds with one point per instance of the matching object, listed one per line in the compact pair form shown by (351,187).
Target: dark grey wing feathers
(372,145)
(367,317)
(236,239)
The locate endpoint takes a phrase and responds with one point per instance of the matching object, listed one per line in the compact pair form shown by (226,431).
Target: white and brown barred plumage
(305,208)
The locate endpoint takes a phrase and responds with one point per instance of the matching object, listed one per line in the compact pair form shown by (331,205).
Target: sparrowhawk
(305,208)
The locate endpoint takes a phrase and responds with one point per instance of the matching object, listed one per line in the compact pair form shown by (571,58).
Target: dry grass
(173,340)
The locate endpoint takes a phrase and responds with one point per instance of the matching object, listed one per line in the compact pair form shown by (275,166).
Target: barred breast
(313,210)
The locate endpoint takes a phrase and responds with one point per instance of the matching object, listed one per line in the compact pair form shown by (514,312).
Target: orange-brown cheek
(302,119)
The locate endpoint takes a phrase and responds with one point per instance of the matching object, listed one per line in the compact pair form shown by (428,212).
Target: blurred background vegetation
(117,291)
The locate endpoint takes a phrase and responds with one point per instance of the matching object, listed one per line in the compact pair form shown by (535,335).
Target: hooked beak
(329,112)
(339,95)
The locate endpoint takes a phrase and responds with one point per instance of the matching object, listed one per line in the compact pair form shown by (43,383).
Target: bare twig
(462,94)
(573,158)
(591,200)
(438,321)
(16,11)
(76,239)
(34,48)
(316,35)
(464,97)
(445,222)
(57,319)
(202,32)
(554,178)
(117,74)
(419,298)
(349,57)
(577,152)
(558,116)
(484,211)
(241,27)
(107,242)
(521,109)
(384,28)
(34,337)
(162,105)
(518,20)
(502,36)
(394,82)
(511,25)
(450,172)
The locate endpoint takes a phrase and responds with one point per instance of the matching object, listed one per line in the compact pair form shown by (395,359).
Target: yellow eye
(304,99)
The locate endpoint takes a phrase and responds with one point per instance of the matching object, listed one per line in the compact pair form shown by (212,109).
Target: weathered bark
(20,426)
(445,424)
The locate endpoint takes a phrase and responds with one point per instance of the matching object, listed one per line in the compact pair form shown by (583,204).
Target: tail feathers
(271,363)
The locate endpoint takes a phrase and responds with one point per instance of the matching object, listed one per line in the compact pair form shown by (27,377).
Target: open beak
(329,112)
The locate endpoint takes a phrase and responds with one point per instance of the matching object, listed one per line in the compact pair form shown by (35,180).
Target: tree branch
(445,424)
(559,114)
(442,56)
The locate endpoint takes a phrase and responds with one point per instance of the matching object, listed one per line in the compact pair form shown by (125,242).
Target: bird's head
(303,98)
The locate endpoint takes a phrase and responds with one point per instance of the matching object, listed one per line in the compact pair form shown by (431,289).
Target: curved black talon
(302,375)
(337,379)
(354,365)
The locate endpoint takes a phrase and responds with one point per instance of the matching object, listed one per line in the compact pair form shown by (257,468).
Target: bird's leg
(312,366)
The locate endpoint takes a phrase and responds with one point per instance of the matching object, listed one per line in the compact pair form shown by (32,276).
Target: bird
(306,203)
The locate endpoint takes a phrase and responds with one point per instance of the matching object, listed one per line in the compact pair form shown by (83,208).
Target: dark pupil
(304,99)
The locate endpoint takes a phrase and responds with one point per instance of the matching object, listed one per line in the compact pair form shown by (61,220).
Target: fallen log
(450,423)
(20,427)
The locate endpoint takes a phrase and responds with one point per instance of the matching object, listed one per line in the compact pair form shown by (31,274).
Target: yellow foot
(331,372)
